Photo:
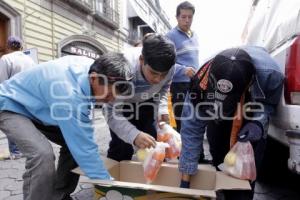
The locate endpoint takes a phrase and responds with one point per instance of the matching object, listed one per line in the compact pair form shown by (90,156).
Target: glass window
(99,6)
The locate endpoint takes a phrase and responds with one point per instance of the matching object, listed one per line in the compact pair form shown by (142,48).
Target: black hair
(114,67)
(158,52)
(15,46)
(185,6)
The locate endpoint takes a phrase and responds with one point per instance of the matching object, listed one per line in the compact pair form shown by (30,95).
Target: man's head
(184,15)
(110,75)
(230,74)
(158,57)
(14,44)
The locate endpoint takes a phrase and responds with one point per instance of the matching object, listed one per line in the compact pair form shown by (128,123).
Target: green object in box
(121,193)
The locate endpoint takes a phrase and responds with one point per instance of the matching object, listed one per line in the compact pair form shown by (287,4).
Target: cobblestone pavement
(11,174)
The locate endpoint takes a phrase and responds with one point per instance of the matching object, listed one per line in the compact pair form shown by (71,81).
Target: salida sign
(84,52)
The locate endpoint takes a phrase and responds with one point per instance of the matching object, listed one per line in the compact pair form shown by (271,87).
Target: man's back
(30,92)
(13,63)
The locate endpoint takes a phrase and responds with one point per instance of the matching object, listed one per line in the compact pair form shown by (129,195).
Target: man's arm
(163,99)
(181,70)
(72,117)
(118,123)
(124,129)
(263,118)
(78,134)
(163,95)
(273,93)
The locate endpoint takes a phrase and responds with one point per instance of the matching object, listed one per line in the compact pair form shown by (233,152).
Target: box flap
(225,182)
(78,171)
(161,188)
(205,178)
(131,171)
(168,175)
(111,165)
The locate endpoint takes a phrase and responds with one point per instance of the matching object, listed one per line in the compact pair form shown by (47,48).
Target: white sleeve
(119,124)
(4,70)
(163,94)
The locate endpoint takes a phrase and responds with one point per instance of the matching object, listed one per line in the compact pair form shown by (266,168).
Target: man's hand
(163,118)
(190,71)
(144,140)
(252,132)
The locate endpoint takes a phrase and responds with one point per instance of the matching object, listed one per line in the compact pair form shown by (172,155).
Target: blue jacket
(58,93)
(266,89)
(187,53)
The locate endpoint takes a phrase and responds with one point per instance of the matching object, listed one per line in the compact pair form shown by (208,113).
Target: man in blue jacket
(52,101)
(233,77)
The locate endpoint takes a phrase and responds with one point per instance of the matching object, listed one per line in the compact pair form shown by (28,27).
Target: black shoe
(203,160)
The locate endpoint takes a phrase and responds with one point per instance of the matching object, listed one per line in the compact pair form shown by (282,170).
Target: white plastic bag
(239,162)
(168,135)
(153,161)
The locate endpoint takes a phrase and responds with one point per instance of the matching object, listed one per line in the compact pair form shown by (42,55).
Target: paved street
(11,174)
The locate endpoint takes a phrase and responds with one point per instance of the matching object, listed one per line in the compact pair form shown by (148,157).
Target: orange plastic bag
(153,161)
(168,135)
(239,162)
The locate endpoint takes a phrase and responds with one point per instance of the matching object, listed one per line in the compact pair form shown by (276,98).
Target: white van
(275,25)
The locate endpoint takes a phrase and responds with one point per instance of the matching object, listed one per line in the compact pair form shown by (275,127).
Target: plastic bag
(153,161)
(141,154)
(239,162)
(168,135)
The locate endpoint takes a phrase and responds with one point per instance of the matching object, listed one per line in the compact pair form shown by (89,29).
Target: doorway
(3,33)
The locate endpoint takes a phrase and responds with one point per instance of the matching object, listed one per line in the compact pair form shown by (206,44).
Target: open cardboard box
(130,184)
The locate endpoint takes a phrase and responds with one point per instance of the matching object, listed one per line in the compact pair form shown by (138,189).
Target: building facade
(53,28)
(141,17)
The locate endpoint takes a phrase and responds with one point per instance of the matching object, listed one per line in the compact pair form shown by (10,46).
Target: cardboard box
(129,183)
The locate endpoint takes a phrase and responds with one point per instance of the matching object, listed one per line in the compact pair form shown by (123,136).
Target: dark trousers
(178,91)
(218,136)
(143,118)
(65,180)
